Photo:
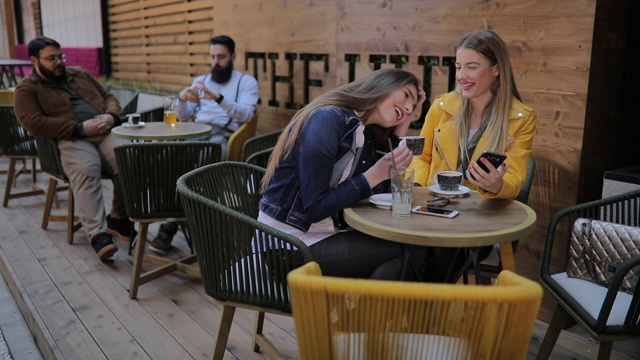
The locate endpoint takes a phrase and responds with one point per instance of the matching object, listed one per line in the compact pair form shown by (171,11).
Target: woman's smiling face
(475,74)
(395,109)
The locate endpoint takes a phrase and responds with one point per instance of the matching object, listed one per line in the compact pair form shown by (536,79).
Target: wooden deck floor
(79,308)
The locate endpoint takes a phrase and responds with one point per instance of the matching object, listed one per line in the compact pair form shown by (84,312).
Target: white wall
(28,21)
(73,23)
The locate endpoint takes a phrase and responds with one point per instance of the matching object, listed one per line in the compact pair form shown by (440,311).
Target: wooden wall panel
(151,41)
(550,43)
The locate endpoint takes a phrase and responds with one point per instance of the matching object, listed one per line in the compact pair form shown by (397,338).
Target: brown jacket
(44,109)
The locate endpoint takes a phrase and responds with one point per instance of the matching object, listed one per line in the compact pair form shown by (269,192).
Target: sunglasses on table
(440,201)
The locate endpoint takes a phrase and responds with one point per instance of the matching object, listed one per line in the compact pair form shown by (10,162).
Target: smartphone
(426,210)
(495,159)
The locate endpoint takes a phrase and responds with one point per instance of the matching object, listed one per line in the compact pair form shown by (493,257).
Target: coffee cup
(449,180)
(134,119)
(414,143)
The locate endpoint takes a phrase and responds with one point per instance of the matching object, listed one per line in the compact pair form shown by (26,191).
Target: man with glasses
(67,104)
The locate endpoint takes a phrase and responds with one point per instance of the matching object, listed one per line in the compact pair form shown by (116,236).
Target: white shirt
(218,115)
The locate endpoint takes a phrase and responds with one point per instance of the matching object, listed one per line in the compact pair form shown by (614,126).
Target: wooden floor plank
(79,308)
(152,334)
(66,328)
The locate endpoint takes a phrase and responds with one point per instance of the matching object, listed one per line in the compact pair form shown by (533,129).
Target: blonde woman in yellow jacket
(485,113)
(442,145)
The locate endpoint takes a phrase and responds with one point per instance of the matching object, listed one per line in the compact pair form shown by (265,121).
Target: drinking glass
(401,192)
(170,117)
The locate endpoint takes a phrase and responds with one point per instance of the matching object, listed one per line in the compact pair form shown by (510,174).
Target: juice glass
(170,117)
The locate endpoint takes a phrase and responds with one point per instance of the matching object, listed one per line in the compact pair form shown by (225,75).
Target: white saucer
(138,125)
(461,190)
(383,201)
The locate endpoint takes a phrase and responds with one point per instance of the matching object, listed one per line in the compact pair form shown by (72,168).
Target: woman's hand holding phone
(488,171)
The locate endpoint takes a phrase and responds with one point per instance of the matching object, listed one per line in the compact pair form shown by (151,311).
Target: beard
(51,74)
(221,75)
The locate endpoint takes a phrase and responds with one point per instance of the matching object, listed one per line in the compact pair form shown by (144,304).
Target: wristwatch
(220,98)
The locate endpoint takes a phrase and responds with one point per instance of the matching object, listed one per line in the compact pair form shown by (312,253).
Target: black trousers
(357,255)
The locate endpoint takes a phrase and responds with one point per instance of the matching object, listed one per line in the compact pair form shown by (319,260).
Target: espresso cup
(134,119)
(414,143)
(449,180)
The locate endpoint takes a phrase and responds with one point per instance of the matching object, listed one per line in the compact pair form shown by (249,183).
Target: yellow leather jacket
(441,145)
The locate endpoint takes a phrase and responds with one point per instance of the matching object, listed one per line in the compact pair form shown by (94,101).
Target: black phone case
(494,158)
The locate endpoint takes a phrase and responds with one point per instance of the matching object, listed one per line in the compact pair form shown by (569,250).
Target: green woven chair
(127,98)
(260,158)
(259,143)
(244,263)
(148,173)
(19,146)
(604,312)
(151,115)
(50,163)
(491,266)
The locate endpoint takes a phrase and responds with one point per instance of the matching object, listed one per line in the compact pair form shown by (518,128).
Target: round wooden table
(161,132)
(481,222)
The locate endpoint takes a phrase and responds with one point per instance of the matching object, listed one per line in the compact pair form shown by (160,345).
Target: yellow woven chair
(6,97)
(339,318)
(237,139)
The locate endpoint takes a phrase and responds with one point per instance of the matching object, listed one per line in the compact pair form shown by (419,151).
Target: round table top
(481,222)
(161,131)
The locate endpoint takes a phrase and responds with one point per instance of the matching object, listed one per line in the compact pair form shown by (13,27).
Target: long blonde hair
(363,95)
(503,89)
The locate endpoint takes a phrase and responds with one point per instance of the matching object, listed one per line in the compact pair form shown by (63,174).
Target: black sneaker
(161,244)
(104,246)
(122,229)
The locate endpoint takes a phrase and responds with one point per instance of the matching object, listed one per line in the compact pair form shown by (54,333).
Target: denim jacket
(299,193)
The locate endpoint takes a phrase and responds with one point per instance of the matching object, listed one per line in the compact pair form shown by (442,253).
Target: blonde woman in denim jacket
(326,161)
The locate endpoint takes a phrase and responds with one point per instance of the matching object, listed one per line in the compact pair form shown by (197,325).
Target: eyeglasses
(440,201)
(53,58)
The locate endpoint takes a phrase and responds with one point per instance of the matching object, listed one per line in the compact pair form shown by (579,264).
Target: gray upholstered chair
(606,313)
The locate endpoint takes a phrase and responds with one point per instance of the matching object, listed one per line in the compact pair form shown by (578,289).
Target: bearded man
(69,105)
(225,99)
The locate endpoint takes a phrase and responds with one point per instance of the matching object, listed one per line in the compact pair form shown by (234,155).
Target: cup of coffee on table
(134,119)
(414,143)
(449,180)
